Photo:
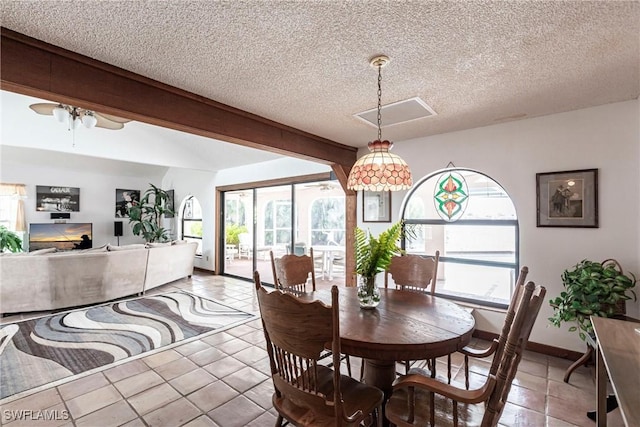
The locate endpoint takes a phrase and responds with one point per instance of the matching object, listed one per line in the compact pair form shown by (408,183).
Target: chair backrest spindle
(509,317)
(297,333)
(527,309)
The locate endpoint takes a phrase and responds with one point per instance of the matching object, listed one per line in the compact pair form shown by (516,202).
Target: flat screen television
(63,237)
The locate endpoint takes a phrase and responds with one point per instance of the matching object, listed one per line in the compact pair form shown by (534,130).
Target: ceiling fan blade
(115,118)
(106,123)
(43,108)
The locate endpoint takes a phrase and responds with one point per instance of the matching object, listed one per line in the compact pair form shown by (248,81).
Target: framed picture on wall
(376,206)
(124,200)
(567,199)
(169,204)
(57,199)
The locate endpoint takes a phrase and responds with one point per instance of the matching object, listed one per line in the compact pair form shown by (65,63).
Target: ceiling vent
(398,112)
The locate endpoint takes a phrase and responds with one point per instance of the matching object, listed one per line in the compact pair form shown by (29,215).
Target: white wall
(97,179)
(605,137)
(273,169)
(201,185)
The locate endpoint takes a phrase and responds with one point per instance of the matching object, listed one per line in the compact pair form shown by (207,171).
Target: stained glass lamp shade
(380,170)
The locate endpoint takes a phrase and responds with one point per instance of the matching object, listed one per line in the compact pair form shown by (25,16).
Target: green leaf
(590,289)
(146,217)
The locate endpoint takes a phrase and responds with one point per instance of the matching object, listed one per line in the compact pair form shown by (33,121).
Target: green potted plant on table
(373,256)
(145,217)
(9,241)
(592,289)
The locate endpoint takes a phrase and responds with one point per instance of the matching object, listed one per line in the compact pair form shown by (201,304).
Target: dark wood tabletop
(405,326)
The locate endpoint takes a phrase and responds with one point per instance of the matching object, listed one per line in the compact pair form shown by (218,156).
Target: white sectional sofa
(46,280)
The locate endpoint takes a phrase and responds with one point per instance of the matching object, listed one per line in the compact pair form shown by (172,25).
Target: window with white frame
(478,250)
(327,221)
(277,222)
(12,207)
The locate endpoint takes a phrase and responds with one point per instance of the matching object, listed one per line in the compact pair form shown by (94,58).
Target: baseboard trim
(204,270)
(548,350)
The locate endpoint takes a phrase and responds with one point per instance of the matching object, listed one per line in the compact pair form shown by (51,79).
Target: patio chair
(245,247)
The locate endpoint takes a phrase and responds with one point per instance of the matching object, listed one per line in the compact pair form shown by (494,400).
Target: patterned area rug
(40,351)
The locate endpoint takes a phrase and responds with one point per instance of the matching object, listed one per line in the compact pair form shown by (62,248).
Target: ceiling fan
(77,116)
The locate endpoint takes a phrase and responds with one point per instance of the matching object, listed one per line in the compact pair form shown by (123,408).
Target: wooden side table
(618,358)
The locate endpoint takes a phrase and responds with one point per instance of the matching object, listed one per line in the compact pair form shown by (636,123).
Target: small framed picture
(376,206)
(567,199)
(124,200)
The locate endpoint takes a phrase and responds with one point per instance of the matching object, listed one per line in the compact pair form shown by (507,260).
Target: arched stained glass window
(478,251)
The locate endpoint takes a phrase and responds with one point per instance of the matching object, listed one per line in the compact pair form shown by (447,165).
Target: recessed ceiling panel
(398,112)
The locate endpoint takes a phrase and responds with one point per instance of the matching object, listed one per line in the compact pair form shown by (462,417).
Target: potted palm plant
(373,256)
(9,241)
(145,217)
(592,289)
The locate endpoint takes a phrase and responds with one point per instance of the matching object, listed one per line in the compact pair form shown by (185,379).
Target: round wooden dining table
(405,326)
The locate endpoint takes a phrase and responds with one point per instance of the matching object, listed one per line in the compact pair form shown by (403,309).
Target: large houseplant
(145,217)
(9,241)
(373,256)
(232,231)
(592,289)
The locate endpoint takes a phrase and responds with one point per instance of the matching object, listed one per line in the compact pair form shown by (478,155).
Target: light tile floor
(223,380)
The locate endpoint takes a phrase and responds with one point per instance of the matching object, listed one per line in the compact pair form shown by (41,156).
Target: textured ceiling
(306,63)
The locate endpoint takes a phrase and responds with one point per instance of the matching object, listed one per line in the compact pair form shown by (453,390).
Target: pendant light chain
(379,170)
(379,102)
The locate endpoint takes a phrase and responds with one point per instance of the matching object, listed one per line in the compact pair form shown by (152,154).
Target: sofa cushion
(126,247)
(158,244)
(14,253)
(99,249)
(43,251)
(102,248)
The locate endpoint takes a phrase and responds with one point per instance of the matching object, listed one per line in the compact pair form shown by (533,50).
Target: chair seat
(356,396)
(397,410)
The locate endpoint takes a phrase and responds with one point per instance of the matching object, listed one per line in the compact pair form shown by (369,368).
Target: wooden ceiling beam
(33,67)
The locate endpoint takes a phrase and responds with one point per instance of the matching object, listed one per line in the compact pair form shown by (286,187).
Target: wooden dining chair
(481,353)
(418,399)
(413,273)
(308,393)
(291,273)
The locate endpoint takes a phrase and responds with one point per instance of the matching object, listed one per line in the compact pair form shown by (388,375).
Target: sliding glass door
(238,232)
(284,219)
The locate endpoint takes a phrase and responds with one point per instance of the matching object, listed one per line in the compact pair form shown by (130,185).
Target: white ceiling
(137,143)
(306,64)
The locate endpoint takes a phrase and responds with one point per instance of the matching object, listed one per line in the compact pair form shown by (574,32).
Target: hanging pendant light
(380,170)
